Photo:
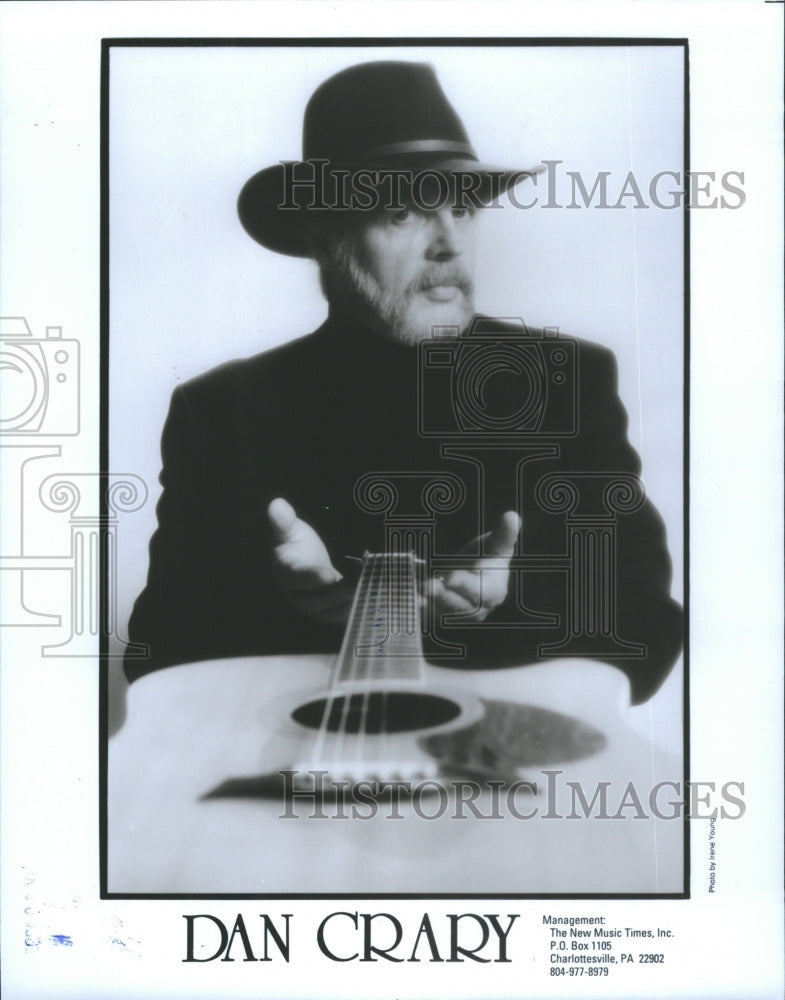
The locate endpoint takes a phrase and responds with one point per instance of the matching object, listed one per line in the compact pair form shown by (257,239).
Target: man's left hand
(473,592)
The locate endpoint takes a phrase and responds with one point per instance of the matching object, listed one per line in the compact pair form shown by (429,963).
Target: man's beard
(403,316)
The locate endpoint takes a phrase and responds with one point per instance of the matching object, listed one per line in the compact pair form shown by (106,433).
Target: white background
(728,944)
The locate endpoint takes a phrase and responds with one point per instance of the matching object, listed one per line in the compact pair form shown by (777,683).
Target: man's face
(407,271)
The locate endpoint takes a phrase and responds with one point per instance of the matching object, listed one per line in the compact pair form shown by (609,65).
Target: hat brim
(281,215)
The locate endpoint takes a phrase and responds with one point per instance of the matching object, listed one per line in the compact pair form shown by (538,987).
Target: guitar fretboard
(382,639)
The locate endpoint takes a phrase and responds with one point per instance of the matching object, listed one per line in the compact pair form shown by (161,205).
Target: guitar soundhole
(377,712)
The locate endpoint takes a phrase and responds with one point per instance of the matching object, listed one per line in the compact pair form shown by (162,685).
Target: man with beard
(262,512)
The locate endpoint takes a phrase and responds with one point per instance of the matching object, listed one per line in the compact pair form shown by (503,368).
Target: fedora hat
(366,120)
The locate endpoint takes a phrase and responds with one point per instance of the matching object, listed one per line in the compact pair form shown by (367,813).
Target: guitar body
(196,801)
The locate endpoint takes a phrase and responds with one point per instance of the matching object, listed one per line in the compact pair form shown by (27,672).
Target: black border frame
(103,713)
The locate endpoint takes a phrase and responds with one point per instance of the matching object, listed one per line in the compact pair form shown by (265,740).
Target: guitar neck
(383,639)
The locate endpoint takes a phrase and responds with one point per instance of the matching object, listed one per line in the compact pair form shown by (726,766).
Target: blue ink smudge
(63,939)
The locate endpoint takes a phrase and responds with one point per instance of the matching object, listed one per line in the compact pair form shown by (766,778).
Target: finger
(501,541)
(443,600)
(282,519)
(483,591)
(483,588)
(465,583)
(459,591)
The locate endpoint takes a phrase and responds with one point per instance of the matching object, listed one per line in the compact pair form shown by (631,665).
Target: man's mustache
(443,274)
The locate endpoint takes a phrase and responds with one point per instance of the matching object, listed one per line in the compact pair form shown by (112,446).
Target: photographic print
(390,427)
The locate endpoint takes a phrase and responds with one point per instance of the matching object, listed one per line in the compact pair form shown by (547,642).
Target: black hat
(374,116)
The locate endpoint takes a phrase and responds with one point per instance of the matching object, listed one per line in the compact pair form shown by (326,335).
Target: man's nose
(446,239)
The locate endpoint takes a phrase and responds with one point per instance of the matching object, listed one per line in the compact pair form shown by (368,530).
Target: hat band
(420,146)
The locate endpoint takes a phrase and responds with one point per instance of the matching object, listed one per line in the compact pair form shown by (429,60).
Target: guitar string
(376,663)
(372,598)
(377,591)
(390,593)
(381,603)
(386,584)
(318,754)
(340,738)
(400,625)
(387,601)
(385,741)
(399,570)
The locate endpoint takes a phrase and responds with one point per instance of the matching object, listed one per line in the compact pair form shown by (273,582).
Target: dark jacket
(309,420)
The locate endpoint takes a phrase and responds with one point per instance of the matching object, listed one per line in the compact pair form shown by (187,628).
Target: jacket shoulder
(512,327)
(230,377)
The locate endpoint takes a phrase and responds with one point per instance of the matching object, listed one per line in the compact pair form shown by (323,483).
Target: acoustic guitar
(378,773)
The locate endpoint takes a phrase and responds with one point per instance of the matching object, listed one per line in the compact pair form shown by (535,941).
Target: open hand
(303,570)
(473,592)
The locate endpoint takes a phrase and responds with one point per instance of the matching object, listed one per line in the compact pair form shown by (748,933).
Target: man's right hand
(303,570)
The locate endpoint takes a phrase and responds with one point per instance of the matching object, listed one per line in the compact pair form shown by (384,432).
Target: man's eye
(461,213)
(402,216)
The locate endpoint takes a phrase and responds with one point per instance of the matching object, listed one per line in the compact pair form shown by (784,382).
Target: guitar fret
(382,639)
